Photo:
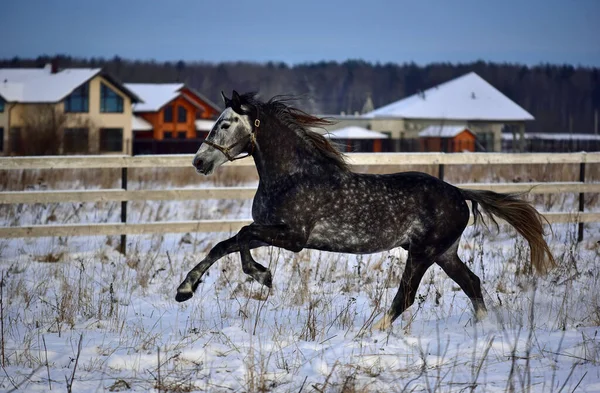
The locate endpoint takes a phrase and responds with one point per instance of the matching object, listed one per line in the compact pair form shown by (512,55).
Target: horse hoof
(480,315)
(383,324)
(183,296)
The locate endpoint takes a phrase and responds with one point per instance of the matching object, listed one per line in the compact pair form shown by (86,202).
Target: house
(467,101)
(448,139)
(174,110)
(77,110)
(358,139)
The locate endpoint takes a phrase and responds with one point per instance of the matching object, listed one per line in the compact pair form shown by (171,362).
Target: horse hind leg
(415,269)
(465,278)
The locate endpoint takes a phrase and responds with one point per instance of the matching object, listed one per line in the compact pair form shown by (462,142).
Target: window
(110,102)
(168,114)
(167,134)
(75,140)
(485,141)
(1,105)
(1,139)
(78,100)
(181,134)
(181,114)
(111,139)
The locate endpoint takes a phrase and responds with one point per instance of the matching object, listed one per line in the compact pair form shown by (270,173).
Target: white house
(468,101)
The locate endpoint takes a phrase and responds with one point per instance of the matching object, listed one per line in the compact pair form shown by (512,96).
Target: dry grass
(318,298)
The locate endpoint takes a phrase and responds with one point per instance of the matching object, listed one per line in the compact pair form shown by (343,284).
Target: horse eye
(225,126)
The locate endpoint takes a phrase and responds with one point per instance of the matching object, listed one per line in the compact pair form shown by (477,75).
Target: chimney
(54,66)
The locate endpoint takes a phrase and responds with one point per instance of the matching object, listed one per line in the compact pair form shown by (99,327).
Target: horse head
(232,134)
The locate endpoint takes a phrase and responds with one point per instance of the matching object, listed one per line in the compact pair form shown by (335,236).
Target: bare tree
(43,132)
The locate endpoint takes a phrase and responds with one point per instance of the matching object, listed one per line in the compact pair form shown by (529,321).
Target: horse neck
(280,153)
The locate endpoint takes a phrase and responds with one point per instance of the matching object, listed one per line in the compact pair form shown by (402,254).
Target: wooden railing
(359,159)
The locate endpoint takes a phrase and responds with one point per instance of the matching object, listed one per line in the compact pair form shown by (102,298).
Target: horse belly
(353,239)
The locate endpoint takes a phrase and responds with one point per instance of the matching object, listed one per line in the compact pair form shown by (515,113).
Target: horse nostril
(197,162)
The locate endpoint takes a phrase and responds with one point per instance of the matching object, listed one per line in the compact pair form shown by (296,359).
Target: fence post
(441,171)
(581,199)
(124,210)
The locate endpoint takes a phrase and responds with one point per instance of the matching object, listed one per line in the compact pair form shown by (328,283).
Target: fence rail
(357,159)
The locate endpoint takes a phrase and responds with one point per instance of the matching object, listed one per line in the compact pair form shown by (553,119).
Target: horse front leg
(186,289)
(273,235)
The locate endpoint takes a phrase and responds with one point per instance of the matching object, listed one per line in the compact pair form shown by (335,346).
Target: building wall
(4,125)
(193,112)
(94,120)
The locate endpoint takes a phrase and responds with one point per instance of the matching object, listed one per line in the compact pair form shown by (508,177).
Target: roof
(154,95)
(204,125)
(38,85)
(468,97)
(354,132)
(139,124)
(157,95)
(443,131)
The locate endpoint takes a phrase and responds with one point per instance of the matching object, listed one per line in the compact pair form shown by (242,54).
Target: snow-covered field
(78,316)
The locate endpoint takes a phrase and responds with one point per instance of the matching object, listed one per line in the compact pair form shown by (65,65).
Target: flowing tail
(521,215)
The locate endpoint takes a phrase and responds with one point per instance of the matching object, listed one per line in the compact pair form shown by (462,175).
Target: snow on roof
(40,85)
(139,124)
(354,132)
(468,97)
(443,131)
(204,125)
(154,95)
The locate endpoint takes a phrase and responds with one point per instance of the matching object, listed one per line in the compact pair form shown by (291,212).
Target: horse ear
(235,98)
(226,100)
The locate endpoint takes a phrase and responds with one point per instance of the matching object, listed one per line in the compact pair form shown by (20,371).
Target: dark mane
(299,121)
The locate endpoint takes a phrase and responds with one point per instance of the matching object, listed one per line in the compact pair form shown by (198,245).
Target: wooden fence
(124,195)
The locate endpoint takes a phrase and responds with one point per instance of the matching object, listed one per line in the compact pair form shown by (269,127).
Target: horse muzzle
(202,166)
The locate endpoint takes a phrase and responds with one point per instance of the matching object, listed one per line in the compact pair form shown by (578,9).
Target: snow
(154,95)
(309,333)
(468,97)
(40,85)
(554,136)
(354,132)
(443,131)
(139,124)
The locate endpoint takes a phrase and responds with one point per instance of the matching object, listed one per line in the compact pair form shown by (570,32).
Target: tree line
(562,98)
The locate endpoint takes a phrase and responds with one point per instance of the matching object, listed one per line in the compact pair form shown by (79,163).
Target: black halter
(226,150)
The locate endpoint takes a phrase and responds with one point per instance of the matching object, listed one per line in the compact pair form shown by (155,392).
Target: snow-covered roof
(154,95)
(204,125)
(139,124)
(443,131)
(468,97)
(354,132)
(39,85)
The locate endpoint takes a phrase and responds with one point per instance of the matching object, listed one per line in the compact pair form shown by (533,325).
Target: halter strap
(226,150)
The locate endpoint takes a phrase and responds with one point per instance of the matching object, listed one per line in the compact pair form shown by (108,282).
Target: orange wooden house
(171,111)
(448,139)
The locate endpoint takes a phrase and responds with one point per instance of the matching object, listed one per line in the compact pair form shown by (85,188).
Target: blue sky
(424,31)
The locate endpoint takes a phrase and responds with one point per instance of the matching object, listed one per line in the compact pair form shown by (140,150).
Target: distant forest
(562,98)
